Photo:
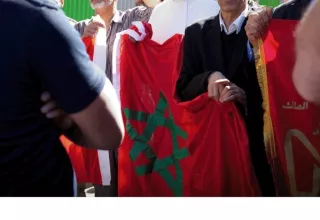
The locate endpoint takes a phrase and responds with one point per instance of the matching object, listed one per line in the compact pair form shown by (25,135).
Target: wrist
(243,99)
(214,75)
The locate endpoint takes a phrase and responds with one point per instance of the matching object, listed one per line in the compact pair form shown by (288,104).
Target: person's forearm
(188,89)
(74,134)
(306,74)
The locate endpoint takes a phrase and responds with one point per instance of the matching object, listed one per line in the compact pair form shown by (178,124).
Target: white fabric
(104,164)
(100,46)
(173,16)
(100,59)
(141,29)
(116,51)
(116,64)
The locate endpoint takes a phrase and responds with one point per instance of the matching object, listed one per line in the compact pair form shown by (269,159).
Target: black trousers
(112,190)
(259,159)
(105,191)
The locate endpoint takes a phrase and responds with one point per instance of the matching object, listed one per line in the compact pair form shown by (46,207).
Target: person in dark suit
(258,21)
(291,10)
(218,59)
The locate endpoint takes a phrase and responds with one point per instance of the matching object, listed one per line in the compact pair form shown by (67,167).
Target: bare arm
(306,74)
(79,88)
(85,127)
(100,124)
(258,21)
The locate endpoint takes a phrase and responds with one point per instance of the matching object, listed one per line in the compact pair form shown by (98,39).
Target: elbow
(308,94)
(113,139)
(111,144)
(117,138)
(306,82)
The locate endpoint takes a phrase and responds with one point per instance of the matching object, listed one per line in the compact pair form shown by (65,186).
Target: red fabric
(218,163)
(302,123)
(85,161)
(89,43)
(78,164)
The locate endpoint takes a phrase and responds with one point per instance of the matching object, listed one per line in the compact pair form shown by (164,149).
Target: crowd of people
(50,87)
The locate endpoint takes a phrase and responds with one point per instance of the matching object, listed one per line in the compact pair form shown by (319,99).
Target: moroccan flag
(90,165)
(291,124)
(197,148)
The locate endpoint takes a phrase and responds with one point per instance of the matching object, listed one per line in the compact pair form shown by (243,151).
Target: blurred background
(80,9)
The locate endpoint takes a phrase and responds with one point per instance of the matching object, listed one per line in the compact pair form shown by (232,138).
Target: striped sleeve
(140,13)
(80,26)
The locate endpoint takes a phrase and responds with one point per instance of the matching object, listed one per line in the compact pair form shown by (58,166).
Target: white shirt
(236,27)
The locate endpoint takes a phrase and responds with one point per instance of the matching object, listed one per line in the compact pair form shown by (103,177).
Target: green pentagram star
(141,146)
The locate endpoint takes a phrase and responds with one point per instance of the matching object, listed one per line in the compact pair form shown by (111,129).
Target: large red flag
(291,124)
(175,149)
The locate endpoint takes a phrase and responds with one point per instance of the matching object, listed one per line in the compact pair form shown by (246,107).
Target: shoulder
(195,33)
(137,9)
(139,12)
(30,13)
(202,25)
(290,10)
(281,9)
(72,21)
(31,7)
(48,4)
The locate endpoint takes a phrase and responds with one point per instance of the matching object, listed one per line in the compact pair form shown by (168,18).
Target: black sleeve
(192,81)
(279,12)
(58,59)
(291,10)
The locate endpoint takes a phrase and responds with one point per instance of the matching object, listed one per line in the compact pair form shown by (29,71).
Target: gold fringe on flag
(268,132)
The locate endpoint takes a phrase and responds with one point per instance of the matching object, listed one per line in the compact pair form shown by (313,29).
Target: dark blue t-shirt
(40,51)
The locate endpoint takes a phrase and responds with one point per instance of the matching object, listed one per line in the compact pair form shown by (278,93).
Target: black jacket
(292,10)
(203,54)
